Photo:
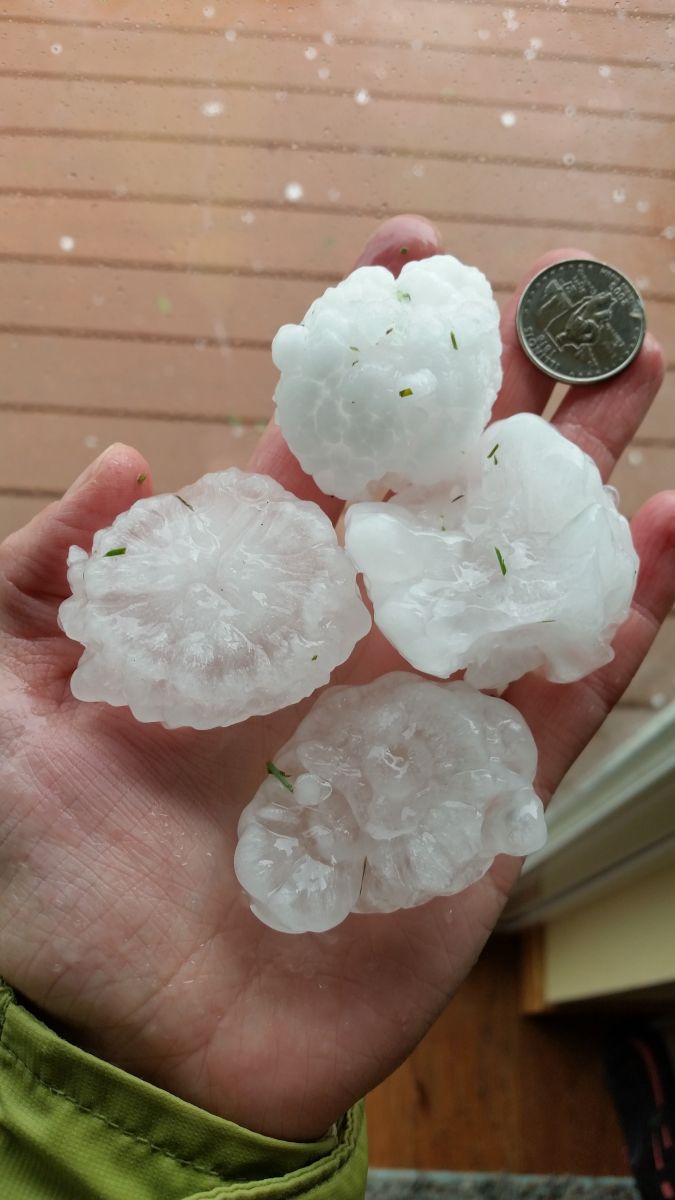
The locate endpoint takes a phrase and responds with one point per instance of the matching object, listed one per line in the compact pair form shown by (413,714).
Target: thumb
(33,560)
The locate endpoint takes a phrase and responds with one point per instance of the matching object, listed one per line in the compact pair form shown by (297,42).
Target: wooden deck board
(53,447)
(118,376)
(109,302)
(134,378)
(155,327)
(449,73)
(389,129)
(453,26)
(189,238)
(137,378)
(438,27)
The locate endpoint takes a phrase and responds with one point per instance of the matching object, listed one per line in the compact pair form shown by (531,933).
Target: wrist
(64,1101)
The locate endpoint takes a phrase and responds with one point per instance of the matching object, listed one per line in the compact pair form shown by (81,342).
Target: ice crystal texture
(522,562)
(388,381)
(229,600)
(403,790)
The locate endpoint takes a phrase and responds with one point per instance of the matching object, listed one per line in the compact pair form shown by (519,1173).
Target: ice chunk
(523,562)
(389,381)
(403,790)
(231,599)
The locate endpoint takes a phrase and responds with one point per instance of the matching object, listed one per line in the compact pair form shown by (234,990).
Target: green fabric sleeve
(75,1128)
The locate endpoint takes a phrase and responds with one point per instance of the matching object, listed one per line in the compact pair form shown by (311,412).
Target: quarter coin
(581,321)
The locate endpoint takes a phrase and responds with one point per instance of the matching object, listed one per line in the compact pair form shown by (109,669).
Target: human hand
(120,916)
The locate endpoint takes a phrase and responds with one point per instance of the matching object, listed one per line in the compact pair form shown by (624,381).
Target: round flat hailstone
(386,796)
(230,600)
(523,562)
(389,381)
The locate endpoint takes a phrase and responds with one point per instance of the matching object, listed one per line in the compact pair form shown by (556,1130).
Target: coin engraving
(580,321)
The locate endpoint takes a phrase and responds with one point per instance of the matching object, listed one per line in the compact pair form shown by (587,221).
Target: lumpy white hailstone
(523,561)
(402,790)
(229,600)
(390,381)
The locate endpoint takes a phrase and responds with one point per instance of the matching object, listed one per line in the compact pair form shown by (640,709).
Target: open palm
(120,916)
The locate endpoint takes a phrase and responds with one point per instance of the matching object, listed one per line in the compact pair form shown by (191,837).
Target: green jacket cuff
(75,1128)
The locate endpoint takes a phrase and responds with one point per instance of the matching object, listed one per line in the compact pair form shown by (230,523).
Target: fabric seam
(83,1108)
(338,1154)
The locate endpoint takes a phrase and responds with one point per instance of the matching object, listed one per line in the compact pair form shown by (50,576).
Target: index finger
(524,387)
(418,238)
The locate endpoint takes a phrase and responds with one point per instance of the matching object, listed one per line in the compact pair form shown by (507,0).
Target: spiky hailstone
(388,381)
(386,796)
(203,609)
(522,562)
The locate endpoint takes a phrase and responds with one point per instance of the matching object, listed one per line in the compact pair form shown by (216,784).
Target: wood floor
(490,1090)
(178,180)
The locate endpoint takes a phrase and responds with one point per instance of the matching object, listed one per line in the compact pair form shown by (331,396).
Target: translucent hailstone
(388,381)
(229,600)
(522,562)
(402,790)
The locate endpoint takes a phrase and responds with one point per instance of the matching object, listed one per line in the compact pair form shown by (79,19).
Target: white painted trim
(618,823)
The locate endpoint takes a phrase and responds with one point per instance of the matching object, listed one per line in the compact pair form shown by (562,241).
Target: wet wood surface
(491,1090)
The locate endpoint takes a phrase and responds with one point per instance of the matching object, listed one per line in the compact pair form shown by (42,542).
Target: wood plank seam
(524,6)
(353,40)
(504,160)
(310,90)
(132,335)
(376,212)
(196,269)
(227,85)
(138,413)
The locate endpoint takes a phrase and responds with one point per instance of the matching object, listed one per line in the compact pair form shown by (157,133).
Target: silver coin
(580,321)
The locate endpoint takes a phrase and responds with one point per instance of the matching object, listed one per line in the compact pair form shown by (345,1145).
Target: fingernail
(400,239)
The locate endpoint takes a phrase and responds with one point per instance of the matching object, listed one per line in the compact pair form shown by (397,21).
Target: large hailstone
(386,796)
(203,609)
(522,562)
(388,381)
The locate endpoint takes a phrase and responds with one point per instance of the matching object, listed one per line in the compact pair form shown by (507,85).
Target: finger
(395,242)
(524,387)
(272,457)
(33,560)
(564,717)
(398,240)
(603,418)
